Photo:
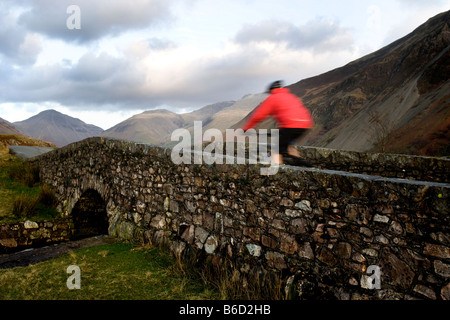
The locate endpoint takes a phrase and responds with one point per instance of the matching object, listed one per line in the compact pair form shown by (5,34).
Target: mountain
(58,128)
(156,126)
(227,117)
(396,99)
(148,127)
(7,128)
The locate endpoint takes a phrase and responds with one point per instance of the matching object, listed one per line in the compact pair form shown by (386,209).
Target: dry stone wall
(21,235)
(388,165)
(323,232)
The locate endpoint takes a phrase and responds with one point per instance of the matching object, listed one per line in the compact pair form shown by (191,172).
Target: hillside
(58,128)
(156,126)
(7,128)
(19,140)
(148,127)
(227,117)
(396,99)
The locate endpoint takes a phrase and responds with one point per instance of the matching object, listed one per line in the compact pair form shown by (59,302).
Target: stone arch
(89,215)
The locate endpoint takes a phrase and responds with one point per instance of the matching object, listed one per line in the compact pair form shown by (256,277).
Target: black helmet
(275,85)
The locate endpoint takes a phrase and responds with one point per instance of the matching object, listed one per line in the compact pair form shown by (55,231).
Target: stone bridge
(323,230)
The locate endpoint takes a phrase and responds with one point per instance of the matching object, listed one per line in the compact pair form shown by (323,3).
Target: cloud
(319,34)
(147,71)
(160,44)
(180,77)
(16,45)
(154,72)
(424,4)
(94,69)
(99,18)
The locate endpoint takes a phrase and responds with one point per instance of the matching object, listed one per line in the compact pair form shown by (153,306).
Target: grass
(123,271)
(21,195)
(116,271)
(228,281)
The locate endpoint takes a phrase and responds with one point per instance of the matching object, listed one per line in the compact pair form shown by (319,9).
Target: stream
(34,255)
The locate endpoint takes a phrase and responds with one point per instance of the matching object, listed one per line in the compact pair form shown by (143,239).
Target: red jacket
(287,109)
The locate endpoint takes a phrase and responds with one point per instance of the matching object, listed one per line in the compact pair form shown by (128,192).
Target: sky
(103,61)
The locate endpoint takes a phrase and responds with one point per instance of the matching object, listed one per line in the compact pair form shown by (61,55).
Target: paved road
(25,152)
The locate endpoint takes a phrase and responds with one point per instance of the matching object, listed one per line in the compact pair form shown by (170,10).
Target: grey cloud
(6,73)
(226,77)
(16,45)
(103,81)
(58,83)
(316,34)
(91,68)
(99,18)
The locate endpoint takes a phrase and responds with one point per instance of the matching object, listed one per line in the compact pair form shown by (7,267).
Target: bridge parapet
(419,168)
(322,229)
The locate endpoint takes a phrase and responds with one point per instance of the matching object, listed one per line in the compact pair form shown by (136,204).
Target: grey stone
(436,250)
(445,292)
(343,250)
(305,251)
(395,271)
(396,228)
(275,260)
(254,249)
(381,218)
(370,252)
(442,269)
(200,236)
(211,244)
(304,206)
(425,291)
(293,213)
(30,225)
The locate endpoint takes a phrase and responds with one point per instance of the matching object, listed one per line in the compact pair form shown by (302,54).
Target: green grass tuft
(21,194)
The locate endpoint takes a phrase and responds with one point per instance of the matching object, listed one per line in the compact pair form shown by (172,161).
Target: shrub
(24,205)
(47,196)
(24,173)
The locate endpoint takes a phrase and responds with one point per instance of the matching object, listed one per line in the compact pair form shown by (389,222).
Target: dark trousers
(288,136)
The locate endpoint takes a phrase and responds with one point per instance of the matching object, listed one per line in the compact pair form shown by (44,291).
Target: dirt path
(35,255)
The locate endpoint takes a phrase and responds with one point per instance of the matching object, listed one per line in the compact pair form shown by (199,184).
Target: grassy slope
(16,140)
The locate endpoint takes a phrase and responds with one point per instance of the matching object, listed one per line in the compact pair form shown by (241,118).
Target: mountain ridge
(156,126)
(7,127)
(56,127)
